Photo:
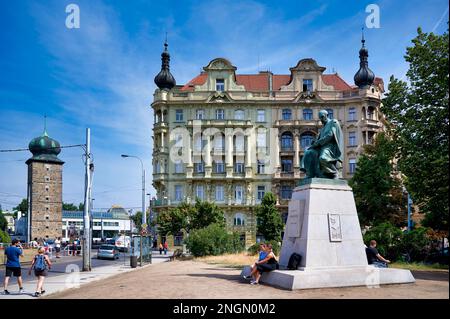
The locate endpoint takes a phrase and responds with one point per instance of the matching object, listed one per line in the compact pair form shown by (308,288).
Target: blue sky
(101,75)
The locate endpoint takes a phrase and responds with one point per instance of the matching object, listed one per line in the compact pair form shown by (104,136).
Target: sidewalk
(74,279)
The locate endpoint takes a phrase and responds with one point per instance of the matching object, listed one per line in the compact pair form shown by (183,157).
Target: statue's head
(323,116)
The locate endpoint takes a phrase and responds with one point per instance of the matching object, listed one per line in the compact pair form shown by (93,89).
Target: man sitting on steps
(374,257)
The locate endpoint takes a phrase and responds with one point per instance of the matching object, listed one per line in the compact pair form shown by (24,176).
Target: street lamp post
(144,214)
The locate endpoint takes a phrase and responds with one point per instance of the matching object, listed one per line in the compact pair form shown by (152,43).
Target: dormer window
(307,85)
(220,85)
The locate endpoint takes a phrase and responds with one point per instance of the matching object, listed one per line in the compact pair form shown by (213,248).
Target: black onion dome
(364,77)
(164,79)
(45,149)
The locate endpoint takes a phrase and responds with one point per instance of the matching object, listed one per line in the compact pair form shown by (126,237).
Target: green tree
(81,206)
(270,224)
(69,206)
(137,219)
(22,207)
(205,214)
(419,114)
(377,189)
(3,222)
(388,238)
(174,220)
(4,237)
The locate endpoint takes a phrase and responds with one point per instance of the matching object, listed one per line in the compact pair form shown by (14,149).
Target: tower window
(220,85)
(307,85)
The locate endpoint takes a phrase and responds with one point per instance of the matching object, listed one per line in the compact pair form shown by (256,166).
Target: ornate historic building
(229,138)
(44,188)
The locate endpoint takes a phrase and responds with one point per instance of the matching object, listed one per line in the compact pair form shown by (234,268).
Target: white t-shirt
(57,243)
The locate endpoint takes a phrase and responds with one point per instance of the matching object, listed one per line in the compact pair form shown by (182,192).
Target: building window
(306,140)
(239,220)
(178,167)
(220,114)
(200,114)
(352,138)
(261,117)
(239,114)
(307,85)
(199,167)
(238,194)
(219,167)
(239,168)
(261,138)
(286,191)
(370,113)
(219,142)
(178,193)
(286,165)
(286,141)
(352,165)
(199,192)
(220,85)
(219,193)
(239,143)
(261,169)
(261,192)
(179,115)
(352,114)
(307,114)
(286,114)
(198,143)
(330,114)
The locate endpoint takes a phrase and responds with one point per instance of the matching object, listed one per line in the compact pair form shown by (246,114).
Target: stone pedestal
(323,227)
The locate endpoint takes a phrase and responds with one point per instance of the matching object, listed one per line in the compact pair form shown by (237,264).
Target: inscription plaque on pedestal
(334,225)
(295,218)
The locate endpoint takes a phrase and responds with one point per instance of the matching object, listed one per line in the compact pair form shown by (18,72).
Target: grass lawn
(418,266)
(230,260)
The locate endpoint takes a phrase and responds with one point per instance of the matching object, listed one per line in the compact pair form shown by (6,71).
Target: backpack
(294,261)
(40,265)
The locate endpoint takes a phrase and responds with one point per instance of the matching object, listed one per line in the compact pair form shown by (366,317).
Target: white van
(123,242)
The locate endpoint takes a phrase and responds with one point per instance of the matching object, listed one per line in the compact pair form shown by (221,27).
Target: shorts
(58,249)
(16,271)
(42,273)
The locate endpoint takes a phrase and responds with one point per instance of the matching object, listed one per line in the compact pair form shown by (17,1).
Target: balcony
(160,126)
(159,149)
(160,176)
(370,124)
(159,202)
(220,123)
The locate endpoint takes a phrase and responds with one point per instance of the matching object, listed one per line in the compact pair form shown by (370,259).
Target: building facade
(105,224)
(230,138)
(44,188)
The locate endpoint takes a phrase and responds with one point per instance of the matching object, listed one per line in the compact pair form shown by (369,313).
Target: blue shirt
(13,253)
(262,255)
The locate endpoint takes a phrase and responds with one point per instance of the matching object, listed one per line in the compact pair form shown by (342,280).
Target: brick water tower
(44,188)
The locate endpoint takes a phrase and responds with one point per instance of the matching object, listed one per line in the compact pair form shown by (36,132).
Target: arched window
(306,140)
(286,141)
(239,115)
(370,113)
(330,114)
(239,219)
(286,114)
(307,114)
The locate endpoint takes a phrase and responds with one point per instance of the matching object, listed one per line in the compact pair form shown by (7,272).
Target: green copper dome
(45,149)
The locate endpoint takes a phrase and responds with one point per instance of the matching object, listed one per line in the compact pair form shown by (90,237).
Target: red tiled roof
(379,82)
(260,82)
(336,81)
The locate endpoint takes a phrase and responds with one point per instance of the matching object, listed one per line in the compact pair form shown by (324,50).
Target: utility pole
(87,202)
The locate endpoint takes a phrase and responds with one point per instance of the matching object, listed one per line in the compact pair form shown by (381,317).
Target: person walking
(166,248)
(40,264)
(161,248)
(13,254)
(58,246)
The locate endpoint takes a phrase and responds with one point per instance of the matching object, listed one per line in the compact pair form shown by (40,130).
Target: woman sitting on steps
(269,263)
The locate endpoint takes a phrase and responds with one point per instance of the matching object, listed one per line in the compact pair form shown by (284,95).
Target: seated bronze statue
(325,155)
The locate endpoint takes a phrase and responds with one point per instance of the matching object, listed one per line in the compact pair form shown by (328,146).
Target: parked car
(108,251)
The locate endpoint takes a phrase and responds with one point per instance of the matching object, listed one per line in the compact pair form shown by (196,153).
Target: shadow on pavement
(430,275)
